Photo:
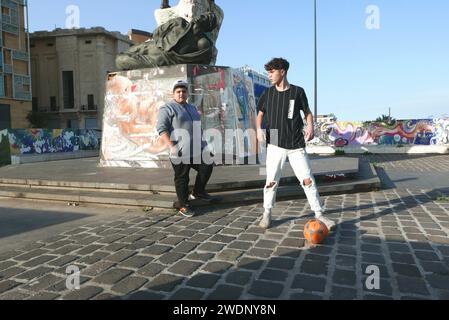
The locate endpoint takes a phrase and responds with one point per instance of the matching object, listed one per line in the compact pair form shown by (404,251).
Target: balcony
(89,108)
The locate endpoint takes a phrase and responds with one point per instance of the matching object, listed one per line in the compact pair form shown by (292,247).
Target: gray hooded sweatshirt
(183,124)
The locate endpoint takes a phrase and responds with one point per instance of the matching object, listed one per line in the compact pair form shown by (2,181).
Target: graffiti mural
(224,97)
(404,132)
(42,141)
(441,126)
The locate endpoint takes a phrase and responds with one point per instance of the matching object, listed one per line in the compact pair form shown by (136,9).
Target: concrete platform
(83,181)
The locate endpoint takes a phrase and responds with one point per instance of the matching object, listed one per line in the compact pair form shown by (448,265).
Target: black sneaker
(186,212)
(202,196)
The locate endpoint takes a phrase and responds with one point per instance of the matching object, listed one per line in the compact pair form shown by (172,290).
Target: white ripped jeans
(299,160)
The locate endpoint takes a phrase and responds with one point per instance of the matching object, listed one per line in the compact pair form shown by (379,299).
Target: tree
(37,120)
(386,119)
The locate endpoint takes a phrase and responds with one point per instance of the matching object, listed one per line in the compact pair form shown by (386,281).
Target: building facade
(15,80)
(70,68)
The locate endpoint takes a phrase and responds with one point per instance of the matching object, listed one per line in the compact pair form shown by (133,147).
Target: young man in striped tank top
(281,107)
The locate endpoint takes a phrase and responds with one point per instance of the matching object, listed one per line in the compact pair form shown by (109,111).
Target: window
(68,89)
(53,106)
(91,123)
(88,41)
(35,104)
(73,124)
(90,102)
(5,116)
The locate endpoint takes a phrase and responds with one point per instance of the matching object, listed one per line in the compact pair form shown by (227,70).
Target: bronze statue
(174,42)
(165,4)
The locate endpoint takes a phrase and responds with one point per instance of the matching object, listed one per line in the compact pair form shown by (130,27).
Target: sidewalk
(223,254)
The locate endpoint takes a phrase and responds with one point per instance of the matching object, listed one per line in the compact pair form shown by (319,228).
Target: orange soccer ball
(315,231)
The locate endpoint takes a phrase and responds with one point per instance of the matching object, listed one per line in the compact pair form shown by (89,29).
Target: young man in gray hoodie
(179,126)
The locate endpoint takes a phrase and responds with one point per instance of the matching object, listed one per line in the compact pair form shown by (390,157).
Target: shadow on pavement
(18,221)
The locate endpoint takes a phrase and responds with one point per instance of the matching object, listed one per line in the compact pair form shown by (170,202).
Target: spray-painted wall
(224,96)
(406,132)
(43,141)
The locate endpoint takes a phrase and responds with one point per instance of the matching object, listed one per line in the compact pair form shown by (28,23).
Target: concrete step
(369,182)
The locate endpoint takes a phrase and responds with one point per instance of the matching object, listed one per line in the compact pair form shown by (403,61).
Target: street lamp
(316,66)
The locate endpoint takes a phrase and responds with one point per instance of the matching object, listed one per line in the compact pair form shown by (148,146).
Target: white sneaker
(329,223)
(266,221)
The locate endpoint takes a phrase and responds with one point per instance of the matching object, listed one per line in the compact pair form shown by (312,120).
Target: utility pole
(316,65)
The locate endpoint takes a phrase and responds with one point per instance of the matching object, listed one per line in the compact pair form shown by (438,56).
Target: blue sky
(403,65)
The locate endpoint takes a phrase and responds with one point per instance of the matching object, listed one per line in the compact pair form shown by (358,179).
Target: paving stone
(341,293)
(250,264)
(200,237)
(67,249)
(344,277)
(145,296)
(8,285)
(187,294)
(384,288)
(43,283)
(129,285)
(231,231)
(435,267)
(151,270)
(265,244)
(406,270)
(314,268)
(316,257)
(373,258)
(172,241)
(226,293)
(266,289)
(11,272)
(305,297)
(44,296)
(120,256)
(241,278)
(211,247)
(141,244)
(412,285)
(200,256)
(185,268)
(34,273)
(89,249)
(345,261)
(30,255)
(136,262)
(309,283)
(427,256)
(186,247)
(240,245)
(248,237)
(14,296)
(156,250)
(39,261)
(170,258)
(203,280)
(281,263)
(438,281)
(217,267)
(273,275)
(260,253)
(56,245)
(98,268)
(402,258)
(112,276)
(351,251)
(229,255)
(6,264)
(115,247)
(94,258)
(85,293)
(287,252)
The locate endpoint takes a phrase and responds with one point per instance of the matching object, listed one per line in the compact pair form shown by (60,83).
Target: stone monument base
(224,96)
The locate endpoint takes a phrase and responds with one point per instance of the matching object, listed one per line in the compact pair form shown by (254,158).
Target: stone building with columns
(70,68)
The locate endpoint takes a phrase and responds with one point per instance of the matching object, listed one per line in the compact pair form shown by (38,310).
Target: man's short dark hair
(277,64)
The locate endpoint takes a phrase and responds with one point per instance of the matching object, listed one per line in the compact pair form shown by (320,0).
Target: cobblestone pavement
(222,253)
